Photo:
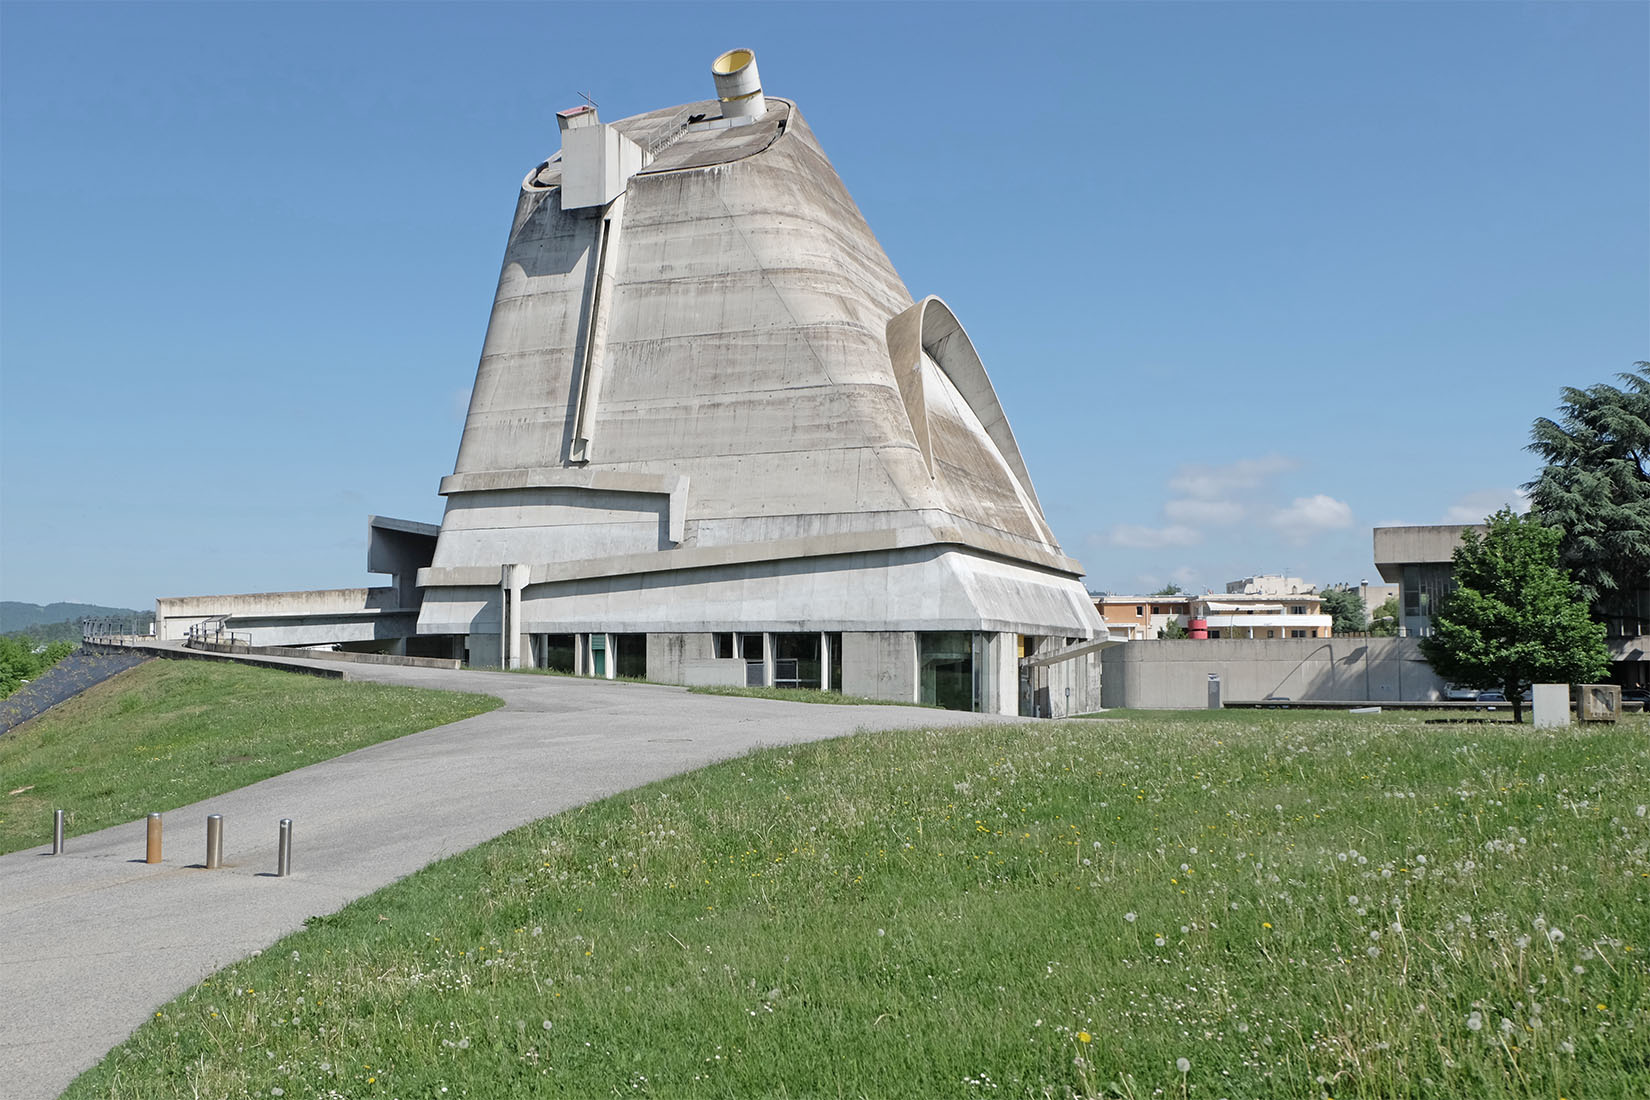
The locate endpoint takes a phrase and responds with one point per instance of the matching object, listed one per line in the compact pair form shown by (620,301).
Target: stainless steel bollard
(214,841)
(151,851)
(283,852)
(57,832)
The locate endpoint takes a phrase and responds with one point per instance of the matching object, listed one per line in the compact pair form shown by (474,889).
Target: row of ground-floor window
(956,669)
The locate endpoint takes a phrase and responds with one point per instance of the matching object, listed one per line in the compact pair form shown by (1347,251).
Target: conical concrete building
(714,438)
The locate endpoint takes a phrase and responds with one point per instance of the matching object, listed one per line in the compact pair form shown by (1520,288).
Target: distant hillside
(16,616)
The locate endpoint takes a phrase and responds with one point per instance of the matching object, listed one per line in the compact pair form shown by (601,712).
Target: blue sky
(1249,278)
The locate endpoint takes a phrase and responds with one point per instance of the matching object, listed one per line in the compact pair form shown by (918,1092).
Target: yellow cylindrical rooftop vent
(738,85)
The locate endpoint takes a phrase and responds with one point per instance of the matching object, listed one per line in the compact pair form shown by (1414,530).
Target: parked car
(1460,694)
(1491,697)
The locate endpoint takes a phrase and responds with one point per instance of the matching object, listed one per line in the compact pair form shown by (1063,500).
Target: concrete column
(611,661)
(1005,673)
(514,579)
(824,661)
(767,660)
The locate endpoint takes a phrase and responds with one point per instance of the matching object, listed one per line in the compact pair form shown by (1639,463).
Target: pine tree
(1595,489)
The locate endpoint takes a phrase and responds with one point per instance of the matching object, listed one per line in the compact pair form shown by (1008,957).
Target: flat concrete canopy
(94,940)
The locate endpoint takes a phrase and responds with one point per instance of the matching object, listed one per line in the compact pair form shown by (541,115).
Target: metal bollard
(214,841)
(152,851)
(57,832)
(283,852)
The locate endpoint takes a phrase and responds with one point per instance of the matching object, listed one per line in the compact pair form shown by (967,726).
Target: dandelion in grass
(1184,1065)
(1130,917)
(1084,1037)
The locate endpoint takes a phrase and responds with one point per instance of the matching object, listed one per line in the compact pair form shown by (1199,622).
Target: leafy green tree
(1595,490)
(1347,607)
(1385,620)
(1170,589)
(1515,617)
(24,659)
(1172,630)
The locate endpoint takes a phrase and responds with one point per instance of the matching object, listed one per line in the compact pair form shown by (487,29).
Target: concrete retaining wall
(1159,675)
(346,656)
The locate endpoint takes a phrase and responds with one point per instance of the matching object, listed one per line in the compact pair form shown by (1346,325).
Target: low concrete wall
(172,654)
(330,655)
(712,672)
(1174,675)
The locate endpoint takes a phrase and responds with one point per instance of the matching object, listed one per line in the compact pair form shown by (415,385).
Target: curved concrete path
(94,940)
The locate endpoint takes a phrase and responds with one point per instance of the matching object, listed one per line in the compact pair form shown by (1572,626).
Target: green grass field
(1241,904)
(169,733)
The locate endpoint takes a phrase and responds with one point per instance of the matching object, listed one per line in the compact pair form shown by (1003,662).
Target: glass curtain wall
(953,669)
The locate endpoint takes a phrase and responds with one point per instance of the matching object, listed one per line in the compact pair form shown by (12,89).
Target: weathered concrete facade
(707,405)
(713,438)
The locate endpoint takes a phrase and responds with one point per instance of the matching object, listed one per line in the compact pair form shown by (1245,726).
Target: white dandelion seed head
(1183,1065)
(548,1025)
(1130,917)
(1475,1022)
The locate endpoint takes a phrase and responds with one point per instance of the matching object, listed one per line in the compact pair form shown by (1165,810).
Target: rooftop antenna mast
(588,100)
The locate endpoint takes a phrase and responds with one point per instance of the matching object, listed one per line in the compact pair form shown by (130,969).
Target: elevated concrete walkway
(94,940)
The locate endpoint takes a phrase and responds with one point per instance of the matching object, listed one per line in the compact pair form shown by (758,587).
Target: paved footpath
(94,940)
